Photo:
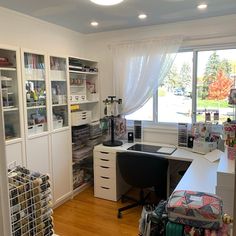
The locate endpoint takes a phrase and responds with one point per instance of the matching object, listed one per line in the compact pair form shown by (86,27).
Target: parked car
(178,92)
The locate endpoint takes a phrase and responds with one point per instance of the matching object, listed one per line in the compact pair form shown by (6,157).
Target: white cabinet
(38,154)
(15,153)
(11,101)
(59,83)
(60,134)
(108,183)
(61,165)
(225,183)
(47,123)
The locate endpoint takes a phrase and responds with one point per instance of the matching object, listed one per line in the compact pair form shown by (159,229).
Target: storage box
(78,98)
(31,130)
(93,96)
(34,74)
(58,75)
(57,124)
(39,128)
(203,147)
(80,117)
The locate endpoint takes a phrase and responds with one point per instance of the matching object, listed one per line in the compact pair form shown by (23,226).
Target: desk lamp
(111,111)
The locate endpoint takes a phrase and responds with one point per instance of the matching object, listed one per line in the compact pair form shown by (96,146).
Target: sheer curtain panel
(139,67)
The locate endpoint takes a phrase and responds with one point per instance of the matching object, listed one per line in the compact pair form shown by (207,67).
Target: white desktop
(212,173)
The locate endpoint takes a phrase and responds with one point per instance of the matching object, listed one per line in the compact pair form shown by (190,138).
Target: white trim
(5,229)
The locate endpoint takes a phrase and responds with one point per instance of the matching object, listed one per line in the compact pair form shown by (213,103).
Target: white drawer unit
(80,118)
(108,184)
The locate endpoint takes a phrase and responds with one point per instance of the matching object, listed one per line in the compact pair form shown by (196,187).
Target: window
(198,82)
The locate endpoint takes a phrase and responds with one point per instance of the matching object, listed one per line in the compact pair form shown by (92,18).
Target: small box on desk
(203,147)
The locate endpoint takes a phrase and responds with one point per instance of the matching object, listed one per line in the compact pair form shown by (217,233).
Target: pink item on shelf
(231,152)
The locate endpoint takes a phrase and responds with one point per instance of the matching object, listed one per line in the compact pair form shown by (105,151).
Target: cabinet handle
(102,159)
(104,177)
(105,167)
(105,187)
(105,152)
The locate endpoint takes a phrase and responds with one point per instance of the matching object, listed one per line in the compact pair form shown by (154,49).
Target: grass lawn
(212,104)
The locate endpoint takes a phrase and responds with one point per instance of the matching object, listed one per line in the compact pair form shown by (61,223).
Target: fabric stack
(195,213)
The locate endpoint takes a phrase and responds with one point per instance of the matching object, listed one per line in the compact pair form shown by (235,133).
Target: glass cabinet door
(10,96)
(59,91)
(35,92)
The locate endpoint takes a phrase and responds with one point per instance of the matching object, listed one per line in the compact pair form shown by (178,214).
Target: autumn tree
(213,67)
(220,88)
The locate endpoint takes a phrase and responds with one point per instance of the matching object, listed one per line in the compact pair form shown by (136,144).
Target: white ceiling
(77,14)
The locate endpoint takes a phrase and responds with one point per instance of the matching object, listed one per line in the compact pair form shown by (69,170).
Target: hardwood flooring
(86,215)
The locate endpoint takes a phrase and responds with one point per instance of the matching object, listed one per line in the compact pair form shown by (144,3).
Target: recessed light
(94,23)
(106,2)
(202,6)
(142,16)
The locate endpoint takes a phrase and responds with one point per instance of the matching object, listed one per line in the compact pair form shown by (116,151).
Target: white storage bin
(78,98)
(39,128)
(34,74)
(58,75)
(31,130)
(203,147)
(80,117)
(57,124)
(93,96)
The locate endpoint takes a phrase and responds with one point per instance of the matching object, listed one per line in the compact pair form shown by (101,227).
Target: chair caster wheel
(119,215)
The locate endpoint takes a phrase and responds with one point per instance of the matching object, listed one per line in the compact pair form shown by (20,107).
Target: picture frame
(232,96)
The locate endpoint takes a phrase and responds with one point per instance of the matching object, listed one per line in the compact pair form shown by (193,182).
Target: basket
(231,152)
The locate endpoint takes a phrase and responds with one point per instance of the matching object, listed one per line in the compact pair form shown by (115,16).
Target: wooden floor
(86,215)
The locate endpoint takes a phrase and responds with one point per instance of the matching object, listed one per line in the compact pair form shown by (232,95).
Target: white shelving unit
(10,84)
(61,130)
(84,96)
(47,126)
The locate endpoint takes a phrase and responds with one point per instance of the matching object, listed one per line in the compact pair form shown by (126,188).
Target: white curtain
(139,67)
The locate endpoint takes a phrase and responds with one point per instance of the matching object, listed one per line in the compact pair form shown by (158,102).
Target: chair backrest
(142,170)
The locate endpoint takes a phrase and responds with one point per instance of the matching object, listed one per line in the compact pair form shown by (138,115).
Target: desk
(202,175)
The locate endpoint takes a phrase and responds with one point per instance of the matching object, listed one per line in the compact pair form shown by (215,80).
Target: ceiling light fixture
(202,6)
(142,16)
(106,2)
(94,23)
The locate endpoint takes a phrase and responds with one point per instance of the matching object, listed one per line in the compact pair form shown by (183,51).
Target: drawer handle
(105,167)
(105,187)
(105,152)
(104,177)
(102,159)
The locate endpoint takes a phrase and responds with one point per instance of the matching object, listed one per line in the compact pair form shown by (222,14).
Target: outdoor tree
(219,89)
(185,77)
(213,67)
(171,79)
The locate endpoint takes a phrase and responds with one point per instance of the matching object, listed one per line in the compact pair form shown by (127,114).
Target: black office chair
(142,171)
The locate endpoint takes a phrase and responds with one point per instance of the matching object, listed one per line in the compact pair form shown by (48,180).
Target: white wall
(30,33)
(210,31)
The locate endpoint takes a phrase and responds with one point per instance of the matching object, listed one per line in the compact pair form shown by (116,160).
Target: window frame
(196,49)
